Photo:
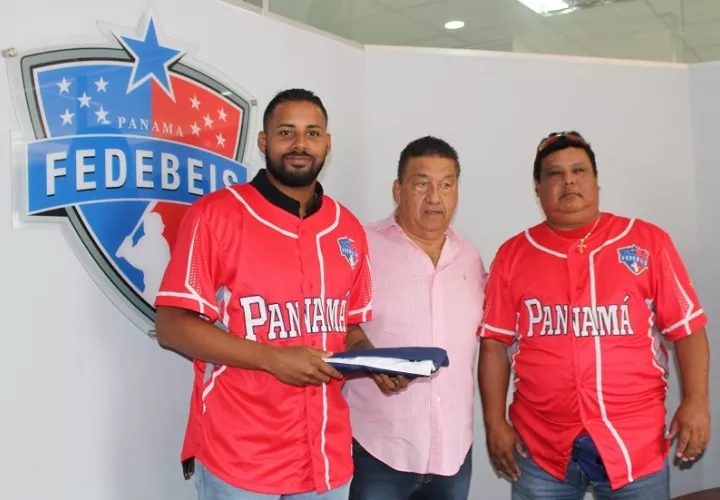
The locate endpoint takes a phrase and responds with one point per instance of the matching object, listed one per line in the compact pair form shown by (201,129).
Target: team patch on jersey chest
(348,250)
(635,258)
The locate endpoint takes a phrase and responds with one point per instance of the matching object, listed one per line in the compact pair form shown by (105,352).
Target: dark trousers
(373,480)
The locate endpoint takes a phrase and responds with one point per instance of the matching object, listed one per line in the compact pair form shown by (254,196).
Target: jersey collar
(281,200)
(561,243)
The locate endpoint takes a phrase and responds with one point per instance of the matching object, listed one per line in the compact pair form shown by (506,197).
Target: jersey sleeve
(360,301)
(499,316)
(677,308)
(192,276)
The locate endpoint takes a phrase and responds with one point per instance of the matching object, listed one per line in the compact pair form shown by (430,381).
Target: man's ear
(396,191)
(329,143)
(537,188)
(262,142)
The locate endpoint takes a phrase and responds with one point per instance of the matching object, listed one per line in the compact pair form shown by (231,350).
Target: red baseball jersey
(245,260)
(585,329)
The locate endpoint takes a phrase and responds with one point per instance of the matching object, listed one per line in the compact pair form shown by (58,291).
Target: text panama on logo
(120,140)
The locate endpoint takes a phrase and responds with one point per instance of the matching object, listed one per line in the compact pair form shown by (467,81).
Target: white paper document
(421,368)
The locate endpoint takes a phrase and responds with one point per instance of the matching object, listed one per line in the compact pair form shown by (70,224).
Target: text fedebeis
(88,169)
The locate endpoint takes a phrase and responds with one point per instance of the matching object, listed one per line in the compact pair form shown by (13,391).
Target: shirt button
(438,399)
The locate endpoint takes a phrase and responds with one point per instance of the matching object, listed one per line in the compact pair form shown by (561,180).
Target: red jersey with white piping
(585,330)
(266,275)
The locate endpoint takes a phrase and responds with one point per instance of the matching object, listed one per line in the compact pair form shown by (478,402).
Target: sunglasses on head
(554,137)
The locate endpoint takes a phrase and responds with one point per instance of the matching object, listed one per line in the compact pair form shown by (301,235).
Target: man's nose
(299,142)
(433,194)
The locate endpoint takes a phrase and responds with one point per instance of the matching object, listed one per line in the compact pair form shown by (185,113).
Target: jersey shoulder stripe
(345,214)
(649,231)
(227,206)
(511,249)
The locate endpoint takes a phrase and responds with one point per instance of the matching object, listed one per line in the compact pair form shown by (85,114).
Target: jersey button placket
(314,405)
(304,243)
(575,263)
(306,269)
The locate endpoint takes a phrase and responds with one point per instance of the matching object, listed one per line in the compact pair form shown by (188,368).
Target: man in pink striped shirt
(415,439)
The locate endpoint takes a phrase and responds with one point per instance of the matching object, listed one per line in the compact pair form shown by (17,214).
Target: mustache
(296,153)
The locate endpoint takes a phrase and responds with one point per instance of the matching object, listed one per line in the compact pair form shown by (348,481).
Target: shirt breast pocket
(464,295)
(401,300)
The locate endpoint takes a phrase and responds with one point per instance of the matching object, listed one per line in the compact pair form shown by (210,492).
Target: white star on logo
(208,121)
(195,103)
(102,116)
(67,117)
(222,114)
(195,129)
(84,100)
(64,86)
(101,85)
(221,140)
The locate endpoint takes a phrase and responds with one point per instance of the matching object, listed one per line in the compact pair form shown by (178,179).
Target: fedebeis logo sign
(119,139)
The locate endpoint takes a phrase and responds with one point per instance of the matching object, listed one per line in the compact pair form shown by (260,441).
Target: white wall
(91,408)
(94,410)
(704,85)
(495,108)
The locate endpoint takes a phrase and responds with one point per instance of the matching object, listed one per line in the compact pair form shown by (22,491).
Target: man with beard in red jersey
(283,272)
(584,300)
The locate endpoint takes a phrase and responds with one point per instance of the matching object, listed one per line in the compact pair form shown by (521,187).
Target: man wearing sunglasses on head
(578,306)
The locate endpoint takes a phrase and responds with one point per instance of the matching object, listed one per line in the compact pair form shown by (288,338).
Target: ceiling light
(554,7)
(545,6)
(454,25)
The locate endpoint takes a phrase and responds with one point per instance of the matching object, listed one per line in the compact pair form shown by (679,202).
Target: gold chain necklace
(582,246)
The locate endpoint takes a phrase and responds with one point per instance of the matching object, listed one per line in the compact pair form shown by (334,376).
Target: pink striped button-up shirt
(428,427)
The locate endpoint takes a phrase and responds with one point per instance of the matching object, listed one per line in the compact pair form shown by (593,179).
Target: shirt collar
(281,200)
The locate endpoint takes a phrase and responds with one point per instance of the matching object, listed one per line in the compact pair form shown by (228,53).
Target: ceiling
(653,30)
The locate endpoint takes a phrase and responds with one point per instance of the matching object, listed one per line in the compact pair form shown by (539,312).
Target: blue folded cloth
(586,454)
(410,362)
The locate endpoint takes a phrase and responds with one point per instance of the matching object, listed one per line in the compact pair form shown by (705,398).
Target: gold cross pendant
(581,246)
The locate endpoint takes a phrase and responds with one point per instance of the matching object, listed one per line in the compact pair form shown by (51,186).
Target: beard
(289,175)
